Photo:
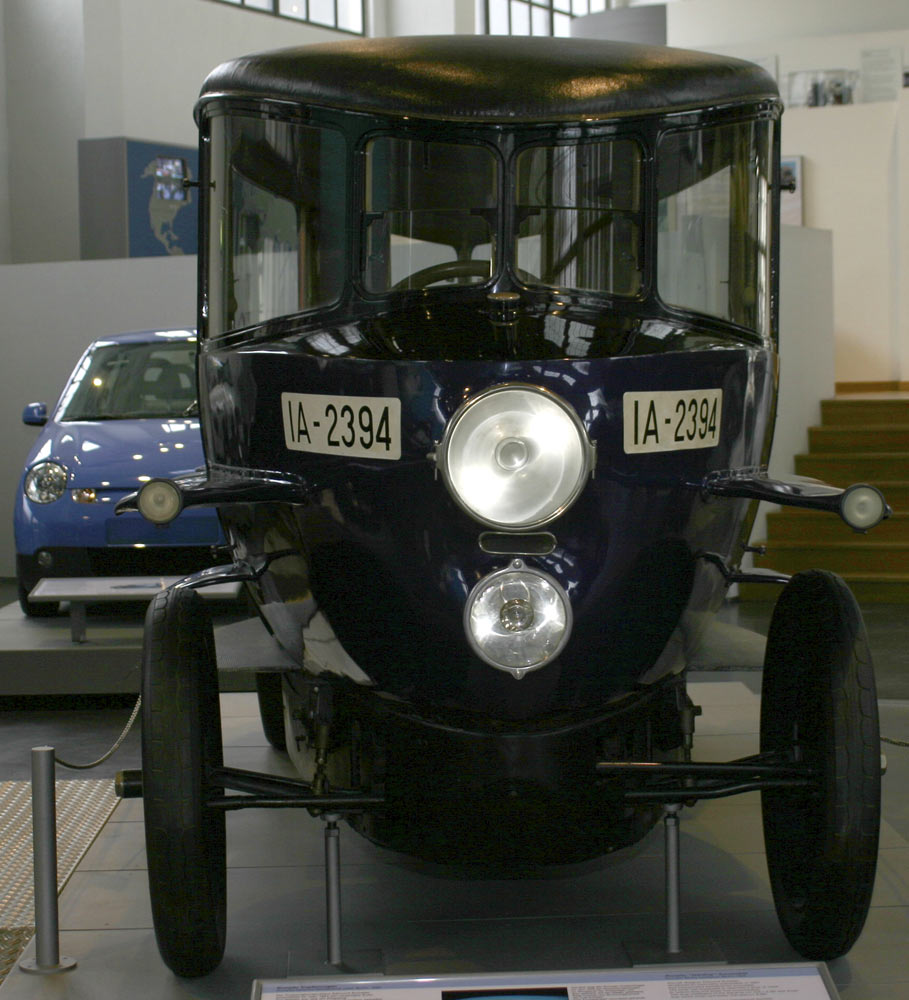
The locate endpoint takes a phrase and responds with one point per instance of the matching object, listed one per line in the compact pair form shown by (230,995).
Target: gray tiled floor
(413,920)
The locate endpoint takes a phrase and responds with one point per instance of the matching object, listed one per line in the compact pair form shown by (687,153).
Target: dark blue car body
(488,359)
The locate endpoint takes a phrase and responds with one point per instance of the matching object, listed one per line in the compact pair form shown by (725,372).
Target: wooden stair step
(870,409)
(865,467)
(859,437)
(839,557)
(896,494)
(868,588)
(791,525)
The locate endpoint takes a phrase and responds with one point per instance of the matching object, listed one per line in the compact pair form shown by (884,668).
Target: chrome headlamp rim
(516,566)
(53,488)
(588,456)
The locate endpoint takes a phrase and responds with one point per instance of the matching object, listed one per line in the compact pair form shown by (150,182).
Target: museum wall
(705,23)
(856,175)
(438,17)
(856,171)
(97,68)
(806,355)
(44,69)
(51,312)
(4,157)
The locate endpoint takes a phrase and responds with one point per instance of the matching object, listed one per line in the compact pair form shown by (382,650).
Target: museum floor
(404,919)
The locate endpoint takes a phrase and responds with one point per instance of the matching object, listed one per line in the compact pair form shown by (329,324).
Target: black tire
(36,609)
(819,688)
(181,743)
(271,708)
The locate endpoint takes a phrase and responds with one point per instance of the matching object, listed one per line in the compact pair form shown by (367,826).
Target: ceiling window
(344,15)
(537,17)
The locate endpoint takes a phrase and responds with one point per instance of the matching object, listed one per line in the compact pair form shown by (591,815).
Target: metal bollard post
(673,878)
(333,888)
(44,837)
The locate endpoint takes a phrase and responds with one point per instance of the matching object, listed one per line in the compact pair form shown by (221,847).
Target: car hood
(120,454)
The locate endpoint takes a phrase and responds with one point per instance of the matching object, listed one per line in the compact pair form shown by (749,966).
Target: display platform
(39,657)
(81,591)
(404,920)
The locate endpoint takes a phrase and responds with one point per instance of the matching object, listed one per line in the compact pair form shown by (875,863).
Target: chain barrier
(113,749)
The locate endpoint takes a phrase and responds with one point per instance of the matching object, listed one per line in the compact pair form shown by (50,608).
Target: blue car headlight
(46,482)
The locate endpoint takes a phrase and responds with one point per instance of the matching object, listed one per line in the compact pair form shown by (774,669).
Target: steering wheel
(440,272)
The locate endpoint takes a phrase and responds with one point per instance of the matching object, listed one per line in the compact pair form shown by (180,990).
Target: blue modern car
(127,414)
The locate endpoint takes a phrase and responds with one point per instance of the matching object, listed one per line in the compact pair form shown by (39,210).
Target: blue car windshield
(118,381)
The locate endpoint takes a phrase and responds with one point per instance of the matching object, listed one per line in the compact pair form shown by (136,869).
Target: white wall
(849,185)
(806,348)
(5,249)
(901,248)
(421,17)
(44,71)
(806,340)
(51,312)
(855,167)
(431,17)
(158,55)
(706,23)
(96,68)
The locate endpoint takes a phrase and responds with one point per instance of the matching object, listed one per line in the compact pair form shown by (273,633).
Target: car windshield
(117,381)
(713,246)
(302,216)
(579,216)
(430,214)
(277,219)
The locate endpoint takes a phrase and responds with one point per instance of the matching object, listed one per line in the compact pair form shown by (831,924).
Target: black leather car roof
(482,78)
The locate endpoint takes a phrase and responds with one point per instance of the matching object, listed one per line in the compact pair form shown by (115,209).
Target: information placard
(795,981)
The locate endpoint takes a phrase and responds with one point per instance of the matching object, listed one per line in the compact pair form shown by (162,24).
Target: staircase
(862,438)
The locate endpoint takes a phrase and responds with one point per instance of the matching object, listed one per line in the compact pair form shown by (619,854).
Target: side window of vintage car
(430,214)
(578,210)
(713,247)
(276,224)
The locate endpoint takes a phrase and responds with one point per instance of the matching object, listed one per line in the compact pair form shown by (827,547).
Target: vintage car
(487,378)
(127,414)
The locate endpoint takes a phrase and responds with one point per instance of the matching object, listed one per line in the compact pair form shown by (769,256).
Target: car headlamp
(515,456)
(517,619)
(45,482)
(159,501)
(863,506)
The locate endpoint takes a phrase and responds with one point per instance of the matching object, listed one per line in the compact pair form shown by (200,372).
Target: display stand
(81,591)
(698,951)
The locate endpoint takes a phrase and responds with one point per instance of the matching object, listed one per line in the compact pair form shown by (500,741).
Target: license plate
(358,426)
(672,420)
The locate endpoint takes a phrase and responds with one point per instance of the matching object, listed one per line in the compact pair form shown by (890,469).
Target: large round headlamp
(517,619)
(159,501)
(515,456)
(45,482)
(862,507)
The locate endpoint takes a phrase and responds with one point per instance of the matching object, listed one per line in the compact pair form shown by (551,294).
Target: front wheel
(271,708)
(819,706)
(181,744)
